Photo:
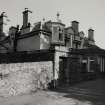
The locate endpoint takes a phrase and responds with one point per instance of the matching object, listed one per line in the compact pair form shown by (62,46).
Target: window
(76,45)
(55,30)
(60,34)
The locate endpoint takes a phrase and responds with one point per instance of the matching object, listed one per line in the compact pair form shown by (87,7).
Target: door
(62,68)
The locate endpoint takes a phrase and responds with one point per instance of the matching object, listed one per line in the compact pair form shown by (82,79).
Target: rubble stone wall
(20,78)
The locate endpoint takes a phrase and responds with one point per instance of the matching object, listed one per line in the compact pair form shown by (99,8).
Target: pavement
(39,98)
(87,93)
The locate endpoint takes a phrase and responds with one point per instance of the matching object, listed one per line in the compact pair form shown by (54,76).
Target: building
(52,41)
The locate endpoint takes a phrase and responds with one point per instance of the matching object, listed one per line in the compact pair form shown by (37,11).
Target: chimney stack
(25,17)
(91,34)
(75,26)
(1,22)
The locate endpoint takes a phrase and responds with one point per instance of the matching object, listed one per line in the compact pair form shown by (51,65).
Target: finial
(58,14)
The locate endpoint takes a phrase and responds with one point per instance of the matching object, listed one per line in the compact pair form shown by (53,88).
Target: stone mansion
(67,49)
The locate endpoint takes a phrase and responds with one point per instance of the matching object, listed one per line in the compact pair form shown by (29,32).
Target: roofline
(58,23)
(32,33)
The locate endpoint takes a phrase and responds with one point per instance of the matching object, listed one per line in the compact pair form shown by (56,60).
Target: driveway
(92,91)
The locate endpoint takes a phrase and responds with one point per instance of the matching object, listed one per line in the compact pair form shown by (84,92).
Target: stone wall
(19,78)
(29,43)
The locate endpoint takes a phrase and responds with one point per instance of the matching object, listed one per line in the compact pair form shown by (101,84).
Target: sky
(89,14)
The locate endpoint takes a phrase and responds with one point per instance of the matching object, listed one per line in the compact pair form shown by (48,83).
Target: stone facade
(43,35)
(25,45)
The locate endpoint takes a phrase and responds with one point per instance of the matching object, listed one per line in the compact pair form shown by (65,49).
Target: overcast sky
(89,13)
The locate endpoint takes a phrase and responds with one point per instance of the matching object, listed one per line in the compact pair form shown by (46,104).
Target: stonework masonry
(31,57)
(20,78)
(60,52)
